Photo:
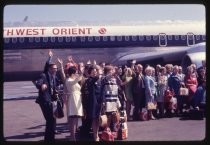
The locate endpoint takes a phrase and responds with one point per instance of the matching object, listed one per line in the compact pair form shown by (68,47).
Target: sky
(120,12)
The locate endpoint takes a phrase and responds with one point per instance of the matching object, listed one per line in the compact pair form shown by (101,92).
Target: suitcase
(107,135)
(122,133)
(144,115)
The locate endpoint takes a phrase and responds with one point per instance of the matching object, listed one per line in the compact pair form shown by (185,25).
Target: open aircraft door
(162,39)
(190,39)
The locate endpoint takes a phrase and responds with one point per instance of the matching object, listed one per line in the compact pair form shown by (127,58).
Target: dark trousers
(139,103)
(85,130)
(160,106)
(203,107)
(180,102)
(47,111)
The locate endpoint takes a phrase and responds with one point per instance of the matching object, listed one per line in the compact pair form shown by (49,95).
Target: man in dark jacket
(138,91)
(47,86)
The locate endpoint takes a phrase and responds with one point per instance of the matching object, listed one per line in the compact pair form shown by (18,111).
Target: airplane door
(190,39)
(162,39)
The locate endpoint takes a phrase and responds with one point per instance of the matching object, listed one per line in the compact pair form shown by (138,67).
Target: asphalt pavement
(23,121)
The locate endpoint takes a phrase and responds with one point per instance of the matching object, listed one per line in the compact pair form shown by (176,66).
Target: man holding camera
(47,84)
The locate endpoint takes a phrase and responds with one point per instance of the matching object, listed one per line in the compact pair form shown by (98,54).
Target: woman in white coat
(74,100)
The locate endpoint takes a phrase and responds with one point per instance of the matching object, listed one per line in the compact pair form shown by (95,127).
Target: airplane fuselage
(25,47)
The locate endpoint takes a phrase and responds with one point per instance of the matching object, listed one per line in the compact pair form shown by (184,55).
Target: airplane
(26,44)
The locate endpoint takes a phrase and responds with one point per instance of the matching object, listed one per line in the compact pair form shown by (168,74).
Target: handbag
(151,105)
(183,91)
(103,120)
(58,109)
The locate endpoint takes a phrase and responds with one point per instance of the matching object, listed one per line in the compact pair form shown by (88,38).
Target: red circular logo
(102,30)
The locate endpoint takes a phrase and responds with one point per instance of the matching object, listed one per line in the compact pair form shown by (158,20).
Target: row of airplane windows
(105,38)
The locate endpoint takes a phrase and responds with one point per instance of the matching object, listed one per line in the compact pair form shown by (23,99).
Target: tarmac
(23,121)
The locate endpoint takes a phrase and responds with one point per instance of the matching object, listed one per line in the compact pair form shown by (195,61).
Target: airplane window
(21,40)
(6,40)
(112,38)
(204,37)
(148,37)
(14,40)
(31,39)
(74,39)
(134,38)
(52,39)
(60,39)
(126,38)
(45,39)
(97,38)
(155,37)
(90,38)
(119,38)
(82,39)
(169,37)
(105,38)
(141,38)
(183,37)
(198,37)
(37,39)
(176,37)
(68,39)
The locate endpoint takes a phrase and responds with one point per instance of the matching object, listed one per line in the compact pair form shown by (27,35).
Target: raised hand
(88,62)
(44,87)
(70,58)
(94,62)
(50,53)
(60,61)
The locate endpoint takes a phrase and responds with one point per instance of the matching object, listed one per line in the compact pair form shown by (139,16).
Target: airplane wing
(185,56)
(170,55)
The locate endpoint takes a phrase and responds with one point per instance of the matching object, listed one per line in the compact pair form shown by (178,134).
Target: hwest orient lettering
(44,31)
(71,31)
(24,32)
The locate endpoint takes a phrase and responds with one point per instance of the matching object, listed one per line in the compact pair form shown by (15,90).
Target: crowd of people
(89,87)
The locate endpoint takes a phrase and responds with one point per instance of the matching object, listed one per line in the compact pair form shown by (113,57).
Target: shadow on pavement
(21,98)
(35,127)
(62,127)
(26,135)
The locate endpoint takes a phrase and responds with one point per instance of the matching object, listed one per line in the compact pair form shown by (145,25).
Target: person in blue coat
(150,90)
(199,98)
